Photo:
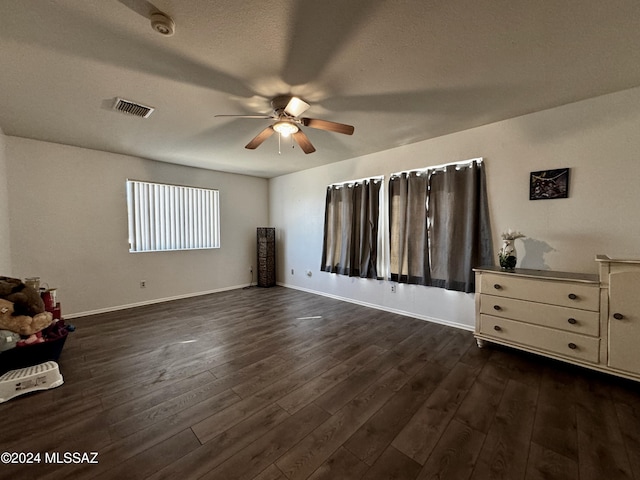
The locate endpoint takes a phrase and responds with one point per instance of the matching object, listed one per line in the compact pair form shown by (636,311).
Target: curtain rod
(349,182)
(438,167)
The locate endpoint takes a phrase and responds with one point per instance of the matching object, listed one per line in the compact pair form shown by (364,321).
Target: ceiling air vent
(132,108)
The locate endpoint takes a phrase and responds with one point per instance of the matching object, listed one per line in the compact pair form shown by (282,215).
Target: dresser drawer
(568,294)
(564,318)
(562,343)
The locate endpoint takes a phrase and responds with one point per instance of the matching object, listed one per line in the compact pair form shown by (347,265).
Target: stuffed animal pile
(22,313)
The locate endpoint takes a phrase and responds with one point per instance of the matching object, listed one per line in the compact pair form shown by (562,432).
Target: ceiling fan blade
(262,117)
(261,137)
(327,125)
(296,107)
(304,142)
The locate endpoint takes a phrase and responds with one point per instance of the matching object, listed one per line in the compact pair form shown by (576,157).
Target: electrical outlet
(251,269)
(393,288)
(143,284)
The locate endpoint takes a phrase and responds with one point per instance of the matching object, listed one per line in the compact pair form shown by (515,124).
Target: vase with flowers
(507,256)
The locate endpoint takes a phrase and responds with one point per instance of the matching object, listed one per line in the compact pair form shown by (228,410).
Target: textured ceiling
(399,71)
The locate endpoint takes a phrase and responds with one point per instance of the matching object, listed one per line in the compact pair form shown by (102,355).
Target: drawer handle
(572,296)
(497,307)
(497,286)
(573,346)
(497,328)
(572,321)
(618,316)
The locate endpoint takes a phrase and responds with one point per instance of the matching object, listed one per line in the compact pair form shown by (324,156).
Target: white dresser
(589,320)
(620,314)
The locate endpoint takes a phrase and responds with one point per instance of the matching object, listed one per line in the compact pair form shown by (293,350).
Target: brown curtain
(351,219)
(459,230)
(409,255)
(439,226)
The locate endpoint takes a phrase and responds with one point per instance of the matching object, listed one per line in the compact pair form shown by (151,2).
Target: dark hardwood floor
(280,384)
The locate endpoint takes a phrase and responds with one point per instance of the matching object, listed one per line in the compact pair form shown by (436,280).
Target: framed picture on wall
(547,184)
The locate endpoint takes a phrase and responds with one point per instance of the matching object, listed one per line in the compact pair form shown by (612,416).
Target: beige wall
(5,248)
(69,226)
(67,212)
(597,139)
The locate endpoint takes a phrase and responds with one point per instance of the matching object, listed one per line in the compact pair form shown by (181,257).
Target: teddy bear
(8,340)
(26,300)
(22,324)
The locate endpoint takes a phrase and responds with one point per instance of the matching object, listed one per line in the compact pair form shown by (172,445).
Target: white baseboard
(440,321)
(294,287)
(150,302)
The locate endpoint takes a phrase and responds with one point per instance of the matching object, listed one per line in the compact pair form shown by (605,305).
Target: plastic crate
(49,350)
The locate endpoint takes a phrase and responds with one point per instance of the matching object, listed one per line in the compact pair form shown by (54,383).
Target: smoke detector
(163,24)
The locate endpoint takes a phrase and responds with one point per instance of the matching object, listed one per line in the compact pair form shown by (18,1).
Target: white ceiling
(400,71)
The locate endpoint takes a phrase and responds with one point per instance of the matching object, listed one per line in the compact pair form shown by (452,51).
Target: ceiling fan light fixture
(285,128)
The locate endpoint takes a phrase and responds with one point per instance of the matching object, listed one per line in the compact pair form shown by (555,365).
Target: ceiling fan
(286,113)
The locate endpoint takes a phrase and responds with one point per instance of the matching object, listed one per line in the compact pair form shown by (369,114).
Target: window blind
(172,217)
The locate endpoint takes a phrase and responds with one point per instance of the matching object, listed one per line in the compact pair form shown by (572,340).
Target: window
(171,217)
(439,225)
(352,237)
